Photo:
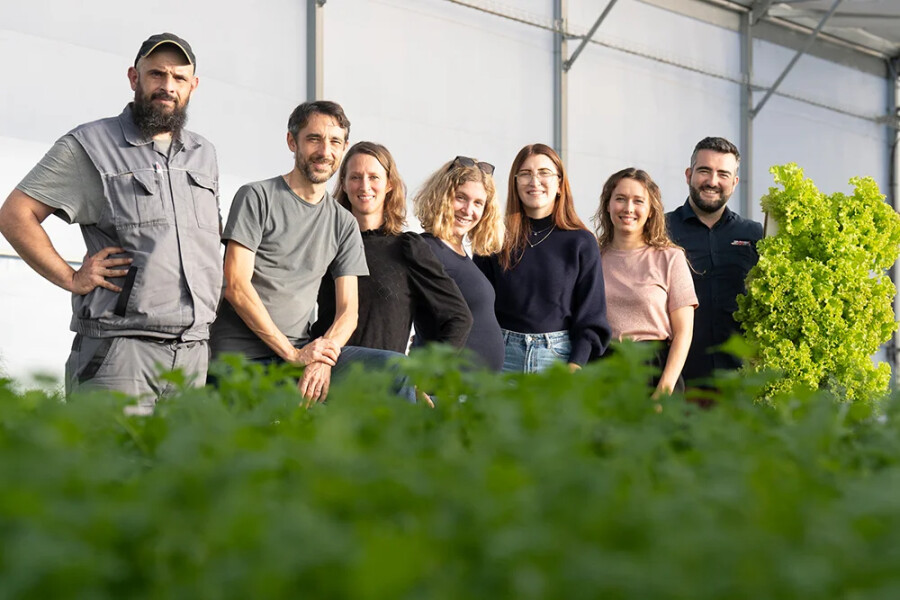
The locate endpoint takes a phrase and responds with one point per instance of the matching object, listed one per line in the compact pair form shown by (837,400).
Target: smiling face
(468,207)
(537,184)
(318,147)
(366,184)
(629,207)
(711,180)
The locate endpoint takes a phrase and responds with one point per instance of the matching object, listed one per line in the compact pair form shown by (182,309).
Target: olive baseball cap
(155,41)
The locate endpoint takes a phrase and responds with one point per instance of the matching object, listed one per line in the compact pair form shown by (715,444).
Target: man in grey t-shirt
(145,192)
(283,234)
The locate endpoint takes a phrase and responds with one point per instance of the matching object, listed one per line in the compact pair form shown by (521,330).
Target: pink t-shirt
(642,287)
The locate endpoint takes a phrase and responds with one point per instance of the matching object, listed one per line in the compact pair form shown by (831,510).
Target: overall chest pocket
(206,206)
(135,199)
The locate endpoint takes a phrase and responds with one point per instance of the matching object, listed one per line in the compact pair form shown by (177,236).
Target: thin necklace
(540,241)
(543,230)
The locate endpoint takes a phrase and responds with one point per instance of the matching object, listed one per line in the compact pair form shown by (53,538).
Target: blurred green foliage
(514,486)
(819,302)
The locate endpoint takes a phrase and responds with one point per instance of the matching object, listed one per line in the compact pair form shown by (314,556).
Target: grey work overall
(164,211)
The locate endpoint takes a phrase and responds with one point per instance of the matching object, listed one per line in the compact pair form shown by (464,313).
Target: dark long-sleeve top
(485,339)
(405,282)
(556,286)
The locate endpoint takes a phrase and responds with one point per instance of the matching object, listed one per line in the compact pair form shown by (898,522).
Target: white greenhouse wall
(631,111)
(831,147)
(430,79)
(444,80)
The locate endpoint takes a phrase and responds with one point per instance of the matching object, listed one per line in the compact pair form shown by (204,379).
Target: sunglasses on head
(465,161)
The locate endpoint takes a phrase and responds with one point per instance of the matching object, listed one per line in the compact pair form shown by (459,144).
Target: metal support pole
(568,64)
(893,194)
(746,184)
(315,36)
(560,83)
(801,52)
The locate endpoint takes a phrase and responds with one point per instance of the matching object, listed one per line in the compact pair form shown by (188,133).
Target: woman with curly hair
(457,205)
(405,281)
(649,288)
(547,276)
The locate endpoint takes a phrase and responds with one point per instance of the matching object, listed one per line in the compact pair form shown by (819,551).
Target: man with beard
(721,248)
(145,193)
(283,234)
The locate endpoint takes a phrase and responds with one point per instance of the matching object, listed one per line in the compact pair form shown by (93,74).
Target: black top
(721,257)
(405,281)
(485,339)
(556,286)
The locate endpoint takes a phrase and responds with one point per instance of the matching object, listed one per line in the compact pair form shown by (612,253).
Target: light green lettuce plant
(819,302)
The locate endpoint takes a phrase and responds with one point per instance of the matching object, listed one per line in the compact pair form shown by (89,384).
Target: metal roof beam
(568,64)
(759,10)
(801,52)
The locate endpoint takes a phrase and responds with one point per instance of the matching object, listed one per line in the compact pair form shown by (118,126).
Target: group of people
(325,280)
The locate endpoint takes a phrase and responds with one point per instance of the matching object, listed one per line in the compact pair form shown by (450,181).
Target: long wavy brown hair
(433,206)
(655,233)
(518,227)
(394,199)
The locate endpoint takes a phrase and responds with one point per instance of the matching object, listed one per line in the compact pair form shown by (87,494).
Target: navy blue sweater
(485,338)
(556,286)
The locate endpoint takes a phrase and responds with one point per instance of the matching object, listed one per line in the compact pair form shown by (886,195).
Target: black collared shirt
(720,258)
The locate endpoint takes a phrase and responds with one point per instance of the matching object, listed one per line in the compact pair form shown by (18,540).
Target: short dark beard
(153,121)
(704,206)
(306,167)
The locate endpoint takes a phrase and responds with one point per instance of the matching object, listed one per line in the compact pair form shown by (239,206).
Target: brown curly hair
(655,233)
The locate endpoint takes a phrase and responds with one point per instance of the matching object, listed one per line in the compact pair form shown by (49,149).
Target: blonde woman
(649,290)
(456,206)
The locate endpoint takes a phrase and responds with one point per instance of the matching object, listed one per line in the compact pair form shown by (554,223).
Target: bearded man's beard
(707,206)
(152,119)
(307,167)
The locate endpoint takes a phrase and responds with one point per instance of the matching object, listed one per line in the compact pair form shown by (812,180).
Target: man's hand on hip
(95,270)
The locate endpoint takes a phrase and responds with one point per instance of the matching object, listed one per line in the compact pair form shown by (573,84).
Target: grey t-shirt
(68,181)
(295,244)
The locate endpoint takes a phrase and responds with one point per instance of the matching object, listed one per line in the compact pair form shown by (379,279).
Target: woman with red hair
(548,279)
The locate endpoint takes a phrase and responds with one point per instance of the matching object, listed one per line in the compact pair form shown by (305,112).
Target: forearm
(678,352)
(343,327)
(346,311)
(250,308)
(25,234)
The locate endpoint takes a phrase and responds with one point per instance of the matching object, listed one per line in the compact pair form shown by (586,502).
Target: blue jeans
(369,358)
(535,352)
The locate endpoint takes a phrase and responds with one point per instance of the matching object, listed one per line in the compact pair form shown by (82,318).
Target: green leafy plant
(555,485)
(819,303)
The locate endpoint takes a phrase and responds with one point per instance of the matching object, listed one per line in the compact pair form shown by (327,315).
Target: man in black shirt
(721,247)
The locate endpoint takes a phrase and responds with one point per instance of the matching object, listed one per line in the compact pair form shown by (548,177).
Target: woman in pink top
(649,290)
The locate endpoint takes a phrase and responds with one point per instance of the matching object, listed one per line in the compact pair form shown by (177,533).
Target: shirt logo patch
(740,243)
